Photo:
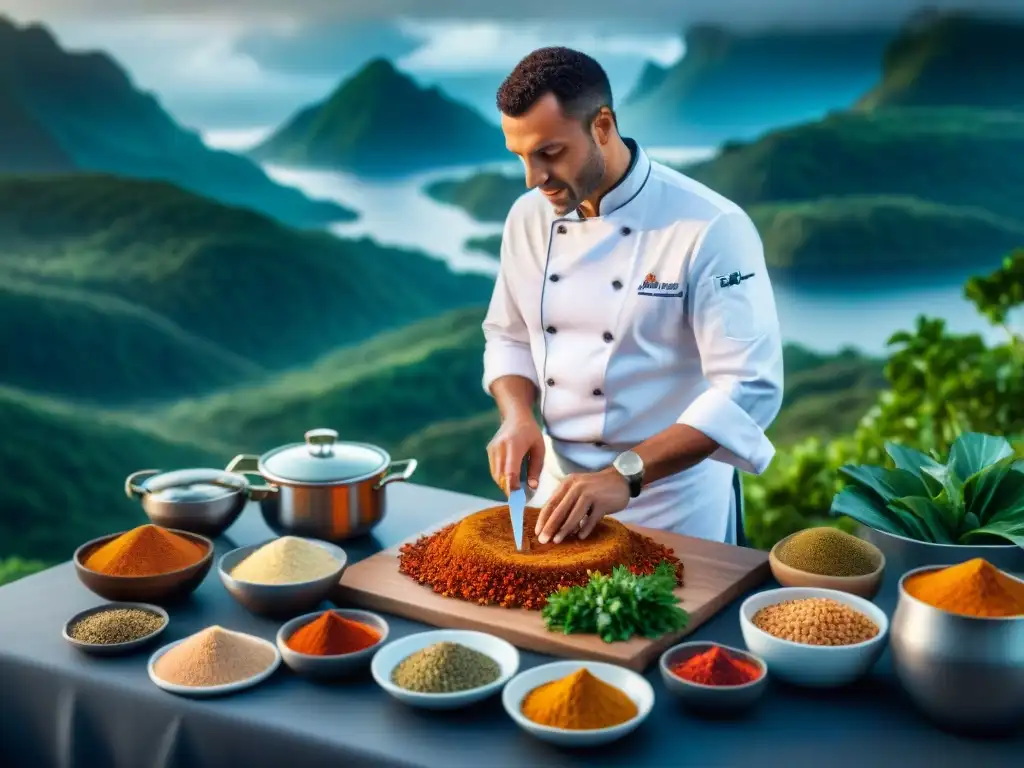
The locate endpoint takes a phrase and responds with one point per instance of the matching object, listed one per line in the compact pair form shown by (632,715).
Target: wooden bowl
(164,588)
(866,586)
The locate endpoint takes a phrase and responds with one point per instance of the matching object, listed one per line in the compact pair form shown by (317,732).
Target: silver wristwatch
(631,467)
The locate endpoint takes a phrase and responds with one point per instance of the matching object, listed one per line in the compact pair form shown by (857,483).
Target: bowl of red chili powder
(713,678)
(331,643)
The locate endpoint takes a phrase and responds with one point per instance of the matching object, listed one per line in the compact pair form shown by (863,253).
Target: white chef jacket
(635,320)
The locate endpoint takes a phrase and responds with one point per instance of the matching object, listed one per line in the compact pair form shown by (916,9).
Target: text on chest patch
(652,287)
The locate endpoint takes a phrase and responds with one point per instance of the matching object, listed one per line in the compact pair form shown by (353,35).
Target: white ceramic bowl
(629,682)
(814,666)
(212,690)
(390,655)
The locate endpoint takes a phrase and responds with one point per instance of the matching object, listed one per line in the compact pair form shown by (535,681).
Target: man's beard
(584,185)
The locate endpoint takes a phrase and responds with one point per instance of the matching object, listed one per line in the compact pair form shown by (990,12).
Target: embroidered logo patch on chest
(652,287)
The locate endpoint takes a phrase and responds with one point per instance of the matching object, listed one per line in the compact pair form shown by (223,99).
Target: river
(861,313)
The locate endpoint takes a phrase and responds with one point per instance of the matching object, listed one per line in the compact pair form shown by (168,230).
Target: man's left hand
(591,495)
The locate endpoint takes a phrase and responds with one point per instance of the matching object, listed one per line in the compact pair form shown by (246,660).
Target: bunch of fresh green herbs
(619,605)
(975,497)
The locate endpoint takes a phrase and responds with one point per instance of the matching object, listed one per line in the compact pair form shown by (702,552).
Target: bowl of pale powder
(213,662)
(283,577)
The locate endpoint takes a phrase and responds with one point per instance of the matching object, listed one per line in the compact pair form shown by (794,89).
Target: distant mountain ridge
(730,85)
(63,112)
(184,294)
(381,122)
(953,60)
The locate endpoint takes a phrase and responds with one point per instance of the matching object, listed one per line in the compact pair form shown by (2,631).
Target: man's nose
(535,176)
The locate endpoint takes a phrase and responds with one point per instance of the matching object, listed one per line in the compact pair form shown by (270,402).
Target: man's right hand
(515,438)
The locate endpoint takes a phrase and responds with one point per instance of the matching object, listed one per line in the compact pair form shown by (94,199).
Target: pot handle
(249,464)
(398,471)
(132,488)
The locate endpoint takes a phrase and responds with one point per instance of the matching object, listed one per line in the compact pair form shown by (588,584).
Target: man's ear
(603,127)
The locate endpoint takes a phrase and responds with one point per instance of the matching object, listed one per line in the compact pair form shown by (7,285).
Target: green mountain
(892,188)
(25,146)
(417,392)
(953,60)
(847,234)
(381,122)
(735,85)
(62,111)
(96,265)
(485,196)
(65,468)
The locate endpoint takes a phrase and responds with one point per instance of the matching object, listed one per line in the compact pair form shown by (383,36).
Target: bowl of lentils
(115,628)
(819,638)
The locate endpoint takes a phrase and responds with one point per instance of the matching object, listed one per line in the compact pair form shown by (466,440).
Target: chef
(632,314)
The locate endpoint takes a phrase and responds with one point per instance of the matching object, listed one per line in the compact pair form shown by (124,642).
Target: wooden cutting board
(715,574)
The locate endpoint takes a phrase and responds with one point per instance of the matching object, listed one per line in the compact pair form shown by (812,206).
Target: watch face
(629,464)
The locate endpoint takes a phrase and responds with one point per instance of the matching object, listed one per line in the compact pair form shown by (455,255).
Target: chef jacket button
(551,382)
(551,329)
(616,284)
(553,278)
(625,230)
(562,229)
(598,393)
(608,336)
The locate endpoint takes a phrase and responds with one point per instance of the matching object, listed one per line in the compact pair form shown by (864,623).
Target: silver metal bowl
(903,554)
(203,501)
(966,673)
(280,600)
(115,649)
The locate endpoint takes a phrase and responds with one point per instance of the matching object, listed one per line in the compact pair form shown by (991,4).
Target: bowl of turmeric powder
(957,643)
(148,564)
(578,703)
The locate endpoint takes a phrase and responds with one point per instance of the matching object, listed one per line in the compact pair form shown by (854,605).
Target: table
(61,708)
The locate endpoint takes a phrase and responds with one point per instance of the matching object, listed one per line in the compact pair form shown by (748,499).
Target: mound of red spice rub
(476,559)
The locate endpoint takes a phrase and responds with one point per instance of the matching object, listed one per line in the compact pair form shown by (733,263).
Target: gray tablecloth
(63,709)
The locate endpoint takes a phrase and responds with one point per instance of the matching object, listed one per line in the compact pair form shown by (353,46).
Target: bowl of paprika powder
(714,679)
(331,643)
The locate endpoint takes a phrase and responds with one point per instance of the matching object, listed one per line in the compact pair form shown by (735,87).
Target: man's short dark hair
(578,82)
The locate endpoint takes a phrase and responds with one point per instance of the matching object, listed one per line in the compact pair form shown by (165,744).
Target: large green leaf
(912,460)
(864,507)
(936,523)
(951,497)
(1013,532)
(973,451)
(887,484)
(996,492)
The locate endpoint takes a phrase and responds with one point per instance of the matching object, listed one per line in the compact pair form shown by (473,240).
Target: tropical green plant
(975,497)
(940,385)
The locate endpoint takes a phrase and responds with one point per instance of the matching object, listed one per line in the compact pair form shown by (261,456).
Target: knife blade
(517,505)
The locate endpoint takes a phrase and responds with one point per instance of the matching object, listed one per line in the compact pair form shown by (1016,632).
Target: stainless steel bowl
(903,554)
(203,501)
(965,673)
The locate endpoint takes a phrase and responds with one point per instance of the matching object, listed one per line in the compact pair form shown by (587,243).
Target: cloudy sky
(251,62)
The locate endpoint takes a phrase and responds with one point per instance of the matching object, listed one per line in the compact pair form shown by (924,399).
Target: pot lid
(323,459)
(193,485)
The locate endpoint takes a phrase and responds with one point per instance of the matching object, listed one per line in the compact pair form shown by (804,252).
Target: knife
(517,505)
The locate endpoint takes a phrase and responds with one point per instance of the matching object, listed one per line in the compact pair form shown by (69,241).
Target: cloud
(487,46)
(637,13)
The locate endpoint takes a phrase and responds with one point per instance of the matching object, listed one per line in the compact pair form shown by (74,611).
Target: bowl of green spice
(828,558)
(445,668)
(115,628)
